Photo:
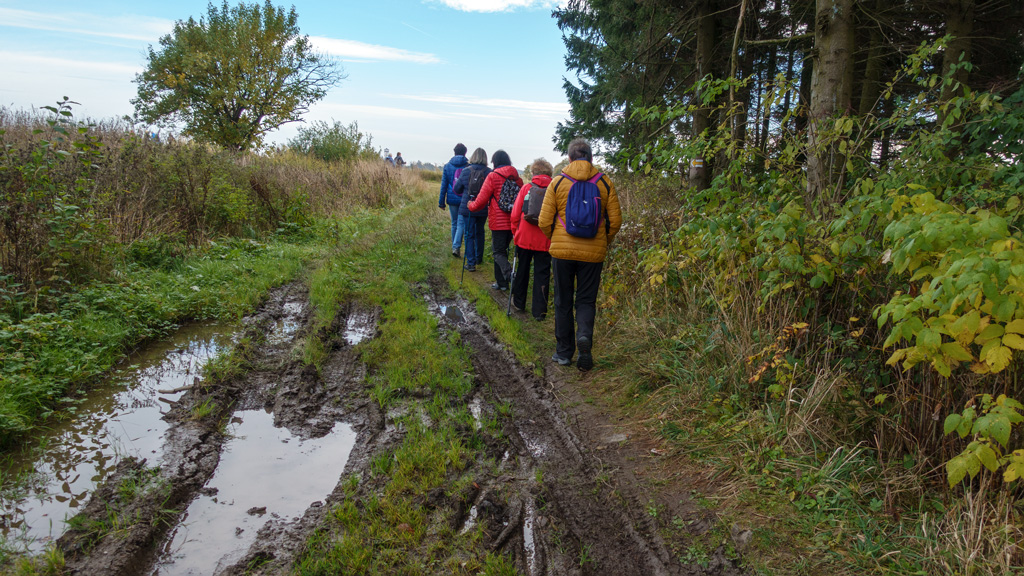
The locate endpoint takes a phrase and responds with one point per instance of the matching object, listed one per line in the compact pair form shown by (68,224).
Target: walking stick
(511,282)
(464,264)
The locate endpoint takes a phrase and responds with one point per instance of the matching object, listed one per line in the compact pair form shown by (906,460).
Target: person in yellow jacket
(576,262)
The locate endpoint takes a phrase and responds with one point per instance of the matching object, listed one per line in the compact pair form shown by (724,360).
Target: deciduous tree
(234,75)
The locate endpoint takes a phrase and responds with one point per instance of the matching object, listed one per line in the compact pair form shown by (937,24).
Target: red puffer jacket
(526,235)
(496,219)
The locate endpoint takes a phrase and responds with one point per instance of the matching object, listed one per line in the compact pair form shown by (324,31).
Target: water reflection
(118,418)
(263,471)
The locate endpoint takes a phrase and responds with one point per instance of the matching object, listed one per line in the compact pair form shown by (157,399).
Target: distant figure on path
(531,244)
(468,186)
(499,183)
(388,158)
(449,175)
(399,161)
(580,237)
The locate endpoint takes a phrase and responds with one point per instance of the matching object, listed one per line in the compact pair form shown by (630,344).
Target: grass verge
(48,356)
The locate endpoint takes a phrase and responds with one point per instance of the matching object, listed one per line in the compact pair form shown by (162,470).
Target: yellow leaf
(980,368)
(956,352)
(1013,341)
(998,358)
(1015,327)
(857,333)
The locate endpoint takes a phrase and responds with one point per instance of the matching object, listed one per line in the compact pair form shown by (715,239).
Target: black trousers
(576,285)
(500,240)
(541,280)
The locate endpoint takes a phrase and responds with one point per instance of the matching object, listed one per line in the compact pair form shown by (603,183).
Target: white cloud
(122,27)
(31,63)
(358,110)
(351,49)
(559,109)
(496,5)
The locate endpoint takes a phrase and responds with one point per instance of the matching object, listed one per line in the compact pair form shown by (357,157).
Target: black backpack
(476,182)
(507,196)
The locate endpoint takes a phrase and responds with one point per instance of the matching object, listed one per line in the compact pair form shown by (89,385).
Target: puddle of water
(119,418)
(529,541)
(452,313)
(534,445)
(470,520)
(263,472)
(288,325)
(476,408)
(359,326)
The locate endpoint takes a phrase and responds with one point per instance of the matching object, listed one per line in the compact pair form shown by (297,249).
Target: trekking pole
(464,255)
(511,282)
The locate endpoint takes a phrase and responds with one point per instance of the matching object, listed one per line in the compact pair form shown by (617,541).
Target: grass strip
(385,526)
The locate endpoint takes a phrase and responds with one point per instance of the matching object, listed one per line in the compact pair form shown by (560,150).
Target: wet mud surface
(588,514)
(249,468)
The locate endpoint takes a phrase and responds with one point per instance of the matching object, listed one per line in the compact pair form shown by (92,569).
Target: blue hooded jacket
(448,181)
(462,187)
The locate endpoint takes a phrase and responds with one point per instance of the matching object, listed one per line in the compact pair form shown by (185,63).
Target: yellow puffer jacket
(564,246)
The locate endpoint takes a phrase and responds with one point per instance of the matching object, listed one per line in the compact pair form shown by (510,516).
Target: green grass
(384,259)
(46,356)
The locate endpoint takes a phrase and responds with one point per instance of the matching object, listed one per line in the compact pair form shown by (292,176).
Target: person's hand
(441,206)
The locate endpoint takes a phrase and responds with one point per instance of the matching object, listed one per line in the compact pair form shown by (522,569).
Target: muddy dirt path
(585,514)
(249,468)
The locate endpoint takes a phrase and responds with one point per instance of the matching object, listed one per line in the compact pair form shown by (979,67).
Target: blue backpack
(583,207)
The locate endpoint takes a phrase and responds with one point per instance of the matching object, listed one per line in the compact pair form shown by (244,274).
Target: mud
(121,417)
(249,468)
(587,514)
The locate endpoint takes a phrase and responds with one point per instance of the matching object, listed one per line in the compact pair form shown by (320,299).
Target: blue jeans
(458,227)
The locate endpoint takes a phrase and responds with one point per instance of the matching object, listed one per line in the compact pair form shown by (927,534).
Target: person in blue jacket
(449,175)
(468,187)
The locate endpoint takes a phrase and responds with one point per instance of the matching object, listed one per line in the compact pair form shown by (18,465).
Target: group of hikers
(562,224)
(397,161)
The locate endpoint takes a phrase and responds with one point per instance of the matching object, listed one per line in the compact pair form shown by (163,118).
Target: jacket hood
(507,171)
(580,170)
(459,161)
(541,180)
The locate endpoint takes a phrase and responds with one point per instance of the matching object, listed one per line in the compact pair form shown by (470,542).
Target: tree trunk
(959,24)
(871,89)
(701,178)
(831,95)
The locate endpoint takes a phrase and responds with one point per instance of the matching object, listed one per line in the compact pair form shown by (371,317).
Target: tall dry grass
(77,196)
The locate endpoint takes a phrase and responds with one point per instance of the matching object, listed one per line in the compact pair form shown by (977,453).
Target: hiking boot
(470,268)
(456,254)
(585,361)
(495,286)
(560,360)
(539,318)
(517,307)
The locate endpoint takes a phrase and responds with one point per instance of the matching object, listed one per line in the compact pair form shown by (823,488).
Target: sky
(422,75)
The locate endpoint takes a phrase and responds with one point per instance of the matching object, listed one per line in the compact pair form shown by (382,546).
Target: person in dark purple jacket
(474,228)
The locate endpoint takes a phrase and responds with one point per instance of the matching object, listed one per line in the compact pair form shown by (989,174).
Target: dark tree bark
(831,95)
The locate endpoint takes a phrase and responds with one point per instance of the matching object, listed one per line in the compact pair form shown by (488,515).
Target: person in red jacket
(531,245)
(497,219)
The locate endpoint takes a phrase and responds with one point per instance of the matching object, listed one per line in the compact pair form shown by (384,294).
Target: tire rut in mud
(119,534)
(582,517)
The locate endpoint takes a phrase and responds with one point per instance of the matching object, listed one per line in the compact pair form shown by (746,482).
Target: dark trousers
(574,281)
(500,240)
(541,280)
(474,235)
